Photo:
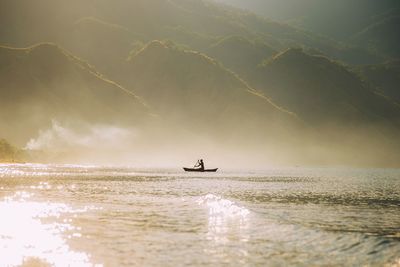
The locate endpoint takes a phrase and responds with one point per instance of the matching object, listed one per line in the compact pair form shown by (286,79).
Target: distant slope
(384,77)
(103,44)
(195,91)
(339,19)
(25,23)
(382,36)
(44,82)
(213,74)
(278,35)
(320,91)
(193,23)
(240,54)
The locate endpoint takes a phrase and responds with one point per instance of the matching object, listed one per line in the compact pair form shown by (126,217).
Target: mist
(199,132)
(165,83)
(112,145)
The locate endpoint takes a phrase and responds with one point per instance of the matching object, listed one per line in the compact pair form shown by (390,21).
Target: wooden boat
(199,170)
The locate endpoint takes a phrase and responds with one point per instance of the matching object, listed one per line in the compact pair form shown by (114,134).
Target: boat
(200,170)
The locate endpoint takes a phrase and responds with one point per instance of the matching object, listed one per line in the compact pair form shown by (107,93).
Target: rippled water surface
(87,215)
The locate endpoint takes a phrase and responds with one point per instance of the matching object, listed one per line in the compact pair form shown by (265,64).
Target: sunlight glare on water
(67,215)
(228,226)
(24,237)
(225,219)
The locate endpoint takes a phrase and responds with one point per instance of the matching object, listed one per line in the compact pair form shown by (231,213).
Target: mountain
(320,90)
(194,23)
(240,54)
(367,27)
(103,44)
(384,77)
(382,36)
(44,83)
(213,76)
(25,23)
(339,19)
(196,91)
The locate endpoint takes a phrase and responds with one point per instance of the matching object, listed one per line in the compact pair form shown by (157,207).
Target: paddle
(197,164)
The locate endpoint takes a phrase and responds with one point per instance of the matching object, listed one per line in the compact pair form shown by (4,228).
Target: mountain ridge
(55,84)
(209,82)
(301,78)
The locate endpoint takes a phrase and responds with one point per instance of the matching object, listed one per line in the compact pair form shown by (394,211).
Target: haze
(163,83)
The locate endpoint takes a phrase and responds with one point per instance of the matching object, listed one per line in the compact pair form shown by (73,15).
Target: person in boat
(200,165)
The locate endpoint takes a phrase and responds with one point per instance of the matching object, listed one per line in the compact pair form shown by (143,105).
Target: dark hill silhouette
(223,94)
(240,54)
(189,87)
(45,82)
(25,23)
(103,44)
(191,22)
(382,36)
(339,19)
(384,77)
(321,90)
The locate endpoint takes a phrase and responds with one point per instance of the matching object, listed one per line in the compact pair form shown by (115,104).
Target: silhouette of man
(200,165)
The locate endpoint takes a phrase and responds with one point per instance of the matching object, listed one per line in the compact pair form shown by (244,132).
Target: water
(103,216)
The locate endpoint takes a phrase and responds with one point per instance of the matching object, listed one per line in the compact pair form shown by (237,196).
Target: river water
(66,215)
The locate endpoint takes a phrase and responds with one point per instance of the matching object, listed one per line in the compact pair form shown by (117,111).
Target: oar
(195,164)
